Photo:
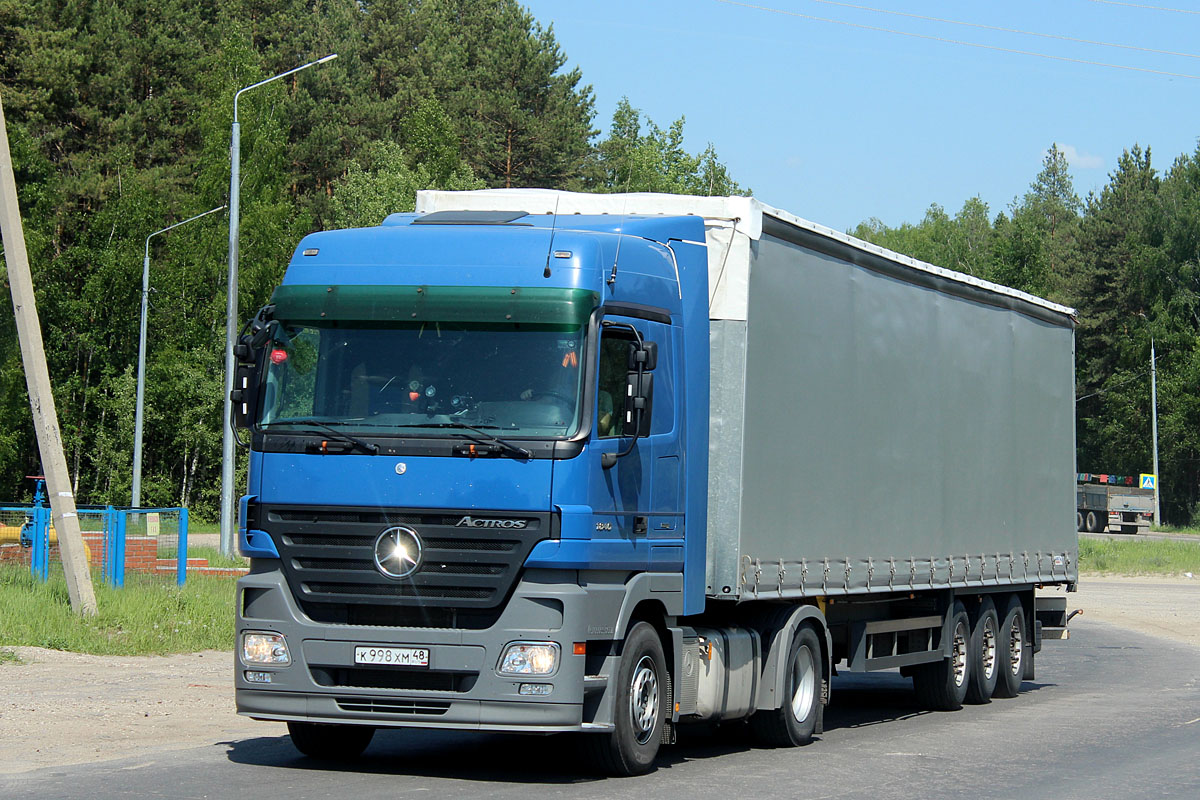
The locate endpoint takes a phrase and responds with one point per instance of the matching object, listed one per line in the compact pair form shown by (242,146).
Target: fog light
(529,658)
(535,688)
(265,648)
(258,677)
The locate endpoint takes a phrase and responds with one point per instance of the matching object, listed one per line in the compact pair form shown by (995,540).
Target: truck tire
(639,707)
(1093,522)
(1079,521)
(985,642)
(329,741)
(1013,650)
(942,685)
(795,721)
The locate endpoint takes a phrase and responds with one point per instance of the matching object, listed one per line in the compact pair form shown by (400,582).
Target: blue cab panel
(405,481)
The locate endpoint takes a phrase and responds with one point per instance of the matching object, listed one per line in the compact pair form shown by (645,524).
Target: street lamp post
(1154,427)
(136,499)
(235,148)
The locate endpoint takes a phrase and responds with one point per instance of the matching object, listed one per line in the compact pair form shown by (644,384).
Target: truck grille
(385,678)
(465,574)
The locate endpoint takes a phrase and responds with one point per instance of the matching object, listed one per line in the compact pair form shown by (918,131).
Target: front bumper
(460,689)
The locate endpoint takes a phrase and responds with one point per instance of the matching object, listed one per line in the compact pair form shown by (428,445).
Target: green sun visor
(544,305)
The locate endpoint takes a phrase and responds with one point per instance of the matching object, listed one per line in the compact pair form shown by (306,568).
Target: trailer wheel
(795,721)
(1079,521)
(639,707)
(1014,649)
(325,740)
(1094,524)
(985,642)
(942,685)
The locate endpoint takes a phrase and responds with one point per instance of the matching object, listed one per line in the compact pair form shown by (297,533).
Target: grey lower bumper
(323,683)
(487,715)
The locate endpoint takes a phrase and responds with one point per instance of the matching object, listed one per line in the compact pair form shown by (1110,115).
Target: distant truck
(1104,508)
(538,462)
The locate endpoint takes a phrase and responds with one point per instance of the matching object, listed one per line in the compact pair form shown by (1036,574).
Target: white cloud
(1078,159)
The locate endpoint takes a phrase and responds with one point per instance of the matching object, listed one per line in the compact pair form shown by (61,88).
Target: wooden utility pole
(41,399)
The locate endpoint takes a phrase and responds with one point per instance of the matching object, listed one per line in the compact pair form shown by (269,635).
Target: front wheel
(795,721)
(638,712)
(326,740)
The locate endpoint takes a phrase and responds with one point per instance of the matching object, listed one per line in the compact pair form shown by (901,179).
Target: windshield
(424,378)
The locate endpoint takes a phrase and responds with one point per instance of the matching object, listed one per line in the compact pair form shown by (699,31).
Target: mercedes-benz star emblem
(398,552)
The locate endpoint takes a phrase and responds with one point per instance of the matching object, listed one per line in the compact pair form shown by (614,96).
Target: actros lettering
(470,522)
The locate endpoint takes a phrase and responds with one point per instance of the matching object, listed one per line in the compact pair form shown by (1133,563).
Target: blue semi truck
(536,461)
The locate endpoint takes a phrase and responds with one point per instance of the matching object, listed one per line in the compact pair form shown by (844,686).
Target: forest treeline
(119,117)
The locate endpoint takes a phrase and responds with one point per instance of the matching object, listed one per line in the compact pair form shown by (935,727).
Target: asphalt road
(1112,714)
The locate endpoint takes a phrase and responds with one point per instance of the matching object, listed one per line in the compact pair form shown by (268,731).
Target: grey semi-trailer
(538,461)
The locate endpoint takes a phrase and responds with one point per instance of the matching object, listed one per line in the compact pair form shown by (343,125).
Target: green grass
(9,657)
(148,616)
(203,527)
(1149,557)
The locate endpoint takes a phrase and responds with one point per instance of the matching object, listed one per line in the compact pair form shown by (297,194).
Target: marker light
(529,658)
(278,356)
(541,689)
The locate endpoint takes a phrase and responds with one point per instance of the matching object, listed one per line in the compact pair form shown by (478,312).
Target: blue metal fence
(108,527)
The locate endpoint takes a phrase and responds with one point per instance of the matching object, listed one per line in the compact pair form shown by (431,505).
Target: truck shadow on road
(881,697)
(859,701)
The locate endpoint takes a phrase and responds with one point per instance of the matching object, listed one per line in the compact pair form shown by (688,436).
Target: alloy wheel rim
(643,699)
(988,653)
(805,680)
(1016,648)
(959,656)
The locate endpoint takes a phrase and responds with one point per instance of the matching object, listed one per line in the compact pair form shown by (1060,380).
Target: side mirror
(646,356)
(244,394)
(639,400)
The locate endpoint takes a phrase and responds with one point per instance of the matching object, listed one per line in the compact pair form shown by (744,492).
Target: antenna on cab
(550,246)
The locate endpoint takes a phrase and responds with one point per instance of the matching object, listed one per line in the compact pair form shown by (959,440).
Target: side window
(610,399)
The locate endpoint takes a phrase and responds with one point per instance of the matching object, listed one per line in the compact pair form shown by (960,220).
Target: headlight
(265,648)
(529,658)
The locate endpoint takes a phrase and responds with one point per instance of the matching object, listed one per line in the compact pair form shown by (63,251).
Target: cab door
(637,497)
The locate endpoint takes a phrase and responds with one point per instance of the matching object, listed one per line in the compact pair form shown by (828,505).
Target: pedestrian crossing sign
(1148,481)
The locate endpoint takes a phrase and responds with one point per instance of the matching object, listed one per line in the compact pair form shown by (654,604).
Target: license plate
(394,656)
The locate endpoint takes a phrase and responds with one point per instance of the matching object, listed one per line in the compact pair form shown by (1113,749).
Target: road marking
(1193,722)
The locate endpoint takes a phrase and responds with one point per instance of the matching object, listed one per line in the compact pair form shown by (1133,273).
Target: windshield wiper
(327,426)
(491,438)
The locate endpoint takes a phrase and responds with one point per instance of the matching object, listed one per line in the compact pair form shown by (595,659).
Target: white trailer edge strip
(908,261)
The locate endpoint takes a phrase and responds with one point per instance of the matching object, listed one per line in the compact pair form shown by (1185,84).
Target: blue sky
(839,124)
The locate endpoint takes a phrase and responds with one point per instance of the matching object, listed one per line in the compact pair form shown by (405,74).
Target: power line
(1118,385)
(1149,8)
(959,41)
(982,26)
